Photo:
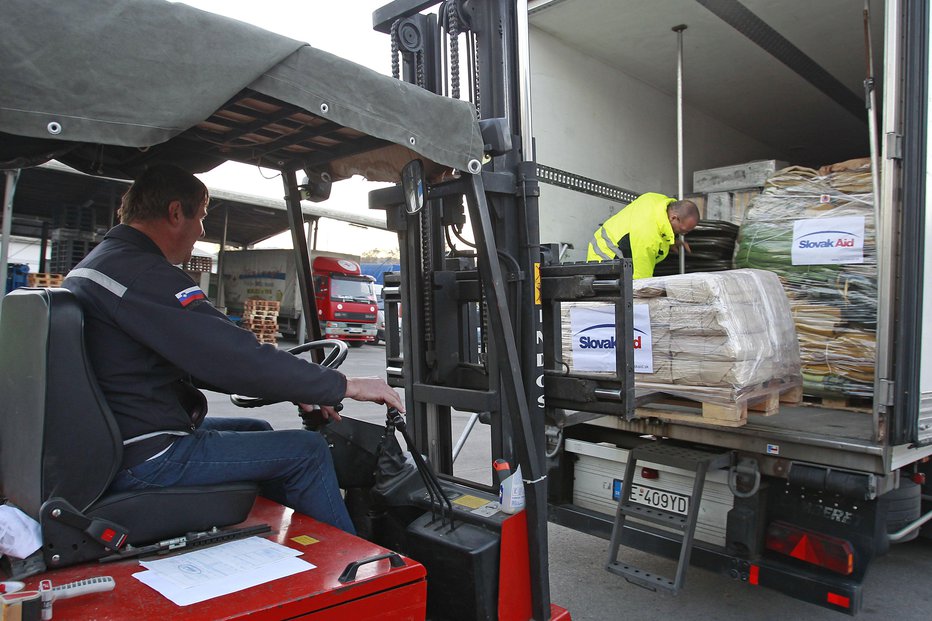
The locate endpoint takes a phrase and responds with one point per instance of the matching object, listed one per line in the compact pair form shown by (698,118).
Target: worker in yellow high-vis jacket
(644,231)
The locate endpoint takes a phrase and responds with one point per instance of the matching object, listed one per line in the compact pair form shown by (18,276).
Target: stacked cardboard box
(727,191)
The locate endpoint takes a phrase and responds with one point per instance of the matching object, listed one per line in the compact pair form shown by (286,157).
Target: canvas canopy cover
(111,86)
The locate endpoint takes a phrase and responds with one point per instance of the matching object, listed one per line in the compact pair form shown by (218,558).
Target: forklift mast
(470,310)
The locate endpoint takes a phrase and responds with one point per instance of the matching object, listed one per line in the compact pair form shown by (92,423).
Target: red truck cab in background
(346,302)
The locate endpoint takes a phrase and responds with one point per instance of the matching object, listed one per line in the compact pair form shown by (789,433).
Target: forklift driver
(151,334)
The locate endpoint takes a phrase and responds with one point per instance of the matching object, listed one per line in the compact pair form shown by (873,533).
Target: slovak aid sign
(828,241)
(593,334)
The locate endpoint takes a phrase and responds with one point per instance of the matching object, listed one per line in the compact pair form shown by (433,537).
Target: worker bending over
(644,231)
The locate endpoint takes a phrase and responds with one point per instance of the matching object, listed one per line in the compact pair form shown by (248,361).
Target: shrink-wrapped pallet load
(730,334)
(815,230)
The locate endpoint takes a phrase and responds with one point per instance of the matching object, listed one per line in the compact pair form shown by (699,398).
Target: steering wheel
(332,359)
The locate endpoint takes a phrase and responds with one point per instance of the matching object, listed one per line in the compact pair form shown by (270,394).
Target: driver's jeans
(292,467)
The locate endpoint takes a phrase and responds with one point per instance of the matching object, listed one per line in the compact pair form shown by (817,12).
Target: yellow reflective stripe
(594,244)
(611,245)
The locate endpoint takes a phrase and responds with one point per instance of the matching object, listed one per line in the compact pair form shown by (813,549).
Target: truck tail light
(649,473)
(831,553)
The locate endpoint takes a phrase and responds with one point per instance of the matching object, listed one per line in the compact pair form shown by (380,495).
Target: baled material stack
(816,232)
(261,318)
(729,333)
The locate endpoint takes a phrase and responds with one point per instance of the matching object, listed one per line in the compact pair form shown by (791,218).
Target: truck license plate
(660,499)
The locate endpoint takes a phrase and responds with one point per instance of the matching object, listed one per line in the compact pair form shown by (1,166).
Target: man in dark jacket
(151,334)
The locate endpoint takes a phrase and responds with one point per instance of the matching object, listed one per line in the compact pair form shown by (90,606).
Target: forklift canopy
(109,86)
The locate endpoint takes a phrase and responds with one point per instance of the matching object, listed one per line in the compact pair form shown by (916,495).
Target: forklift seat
(60,446)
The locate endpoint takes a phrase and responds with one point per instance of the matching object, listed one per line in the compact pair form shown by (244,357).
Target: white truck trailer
(761,80)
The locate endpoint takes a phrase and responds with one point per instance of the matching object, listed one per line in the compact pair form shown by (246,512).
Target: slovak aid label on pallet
(828,241)
(594,338)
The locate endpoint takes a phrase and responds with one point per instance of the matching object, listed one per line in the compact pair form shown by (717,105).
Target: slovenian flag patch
(189,295)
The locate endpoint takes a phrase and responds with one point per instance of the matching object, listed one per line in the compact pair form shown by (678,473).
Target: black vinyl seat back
(60,446)
(57,434)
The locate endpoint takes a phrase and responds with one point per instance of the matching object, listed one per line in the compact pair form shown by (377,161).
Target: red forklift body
(379,591)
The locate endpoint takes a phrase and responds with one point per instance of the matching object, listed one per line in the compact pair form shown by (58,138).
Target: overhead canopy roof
(45,193)
(110,86)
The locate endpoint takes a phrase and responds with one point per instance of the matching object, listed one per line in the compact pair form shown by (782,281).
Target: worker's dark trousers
(293,467)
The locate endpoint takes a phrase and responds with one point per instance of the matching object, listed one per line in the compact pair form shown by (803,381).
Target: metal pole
(679,132)
(43,247)
(314,224)
(12,176)
(524,82)
(221,301)
(302,261)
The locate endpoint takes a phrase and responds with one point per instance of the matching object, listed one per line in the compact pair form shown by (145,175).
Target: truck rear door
(912,393)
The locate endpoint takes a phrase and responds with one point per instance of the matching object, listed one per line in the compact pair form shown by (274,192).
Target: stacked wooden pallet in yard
(261,318)
(44,280)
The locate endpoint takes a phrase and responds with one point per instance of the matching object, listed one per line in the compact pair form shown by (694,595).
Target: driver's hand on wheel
(373,389)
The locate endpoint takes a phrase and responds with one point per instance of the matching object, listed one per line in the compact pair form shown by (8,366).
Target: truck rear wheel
(355,343)
(926,468)
(903,506)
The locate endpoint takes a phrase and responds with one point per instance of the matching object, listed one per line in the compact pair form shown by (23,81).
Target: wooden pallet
(44,280)
(262,305)
(260,321)
(197,264)
(272,314)
(849,404)
(721,412)
(782,393)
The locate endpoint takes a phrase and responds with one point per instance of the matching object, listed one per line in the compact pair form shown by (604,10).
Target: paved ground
(898,587)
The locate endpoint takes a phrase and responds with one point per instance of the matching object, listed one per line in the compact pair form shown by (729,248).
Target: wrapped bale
(815,230)
(731,332)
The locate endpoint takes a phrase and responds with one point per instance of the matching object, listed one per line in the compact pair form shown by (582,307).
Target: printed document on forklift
(229,567)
